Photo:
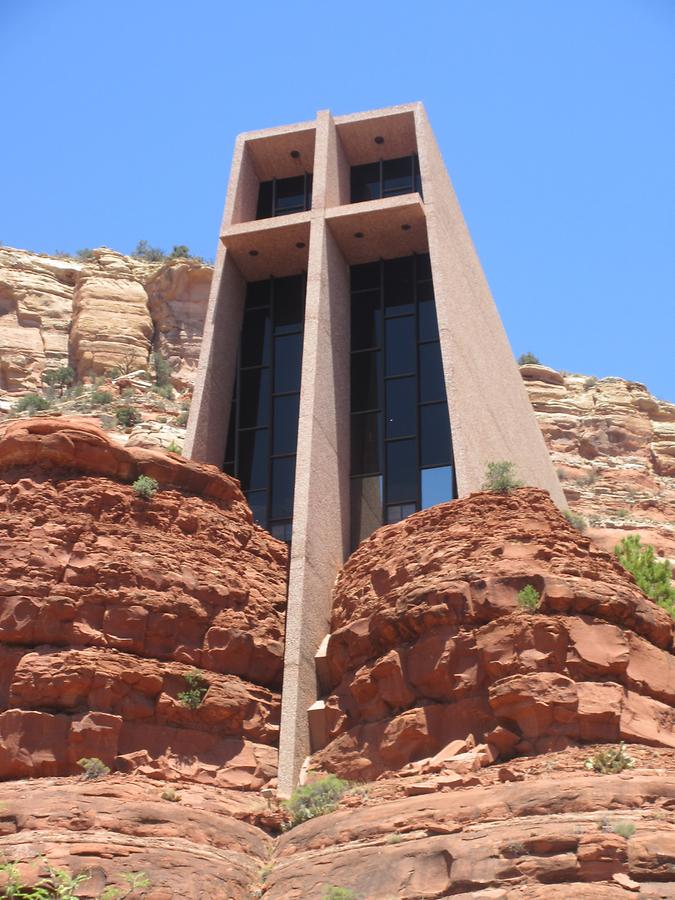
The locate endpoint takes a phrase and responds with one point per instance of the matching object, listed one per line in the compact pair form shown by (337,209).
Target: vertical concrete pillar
(321,501)
(206,435)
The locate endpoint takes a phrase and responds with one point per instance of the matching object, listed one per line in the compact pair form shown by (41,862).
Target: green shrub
(500,477)
(528,598)
(333,892)
(145,487)
(576,521)
(182,419)
(143,250)
(84,253)
(610,762)
(654,576)
(528,359)
(315,799)
(162,369)
(625,829)
(394,838)
(31,403)
(622,513)
(174,448)
(60,378)
(101,398)
(171,795)
(197,686)
(58,884)
(590,382)
(93,767)
(127,416)
(164,390)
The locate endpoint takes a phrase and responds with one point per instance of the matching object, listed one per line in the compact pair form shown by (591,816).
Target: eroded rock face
(109,601)
(614,446)
(106,312)
(428,643)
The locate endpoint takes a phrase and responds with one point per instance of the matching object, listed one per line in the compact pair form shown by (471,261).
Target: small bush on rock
(500,477)
(528,359)
(610,762)
(93,767)
(528,598)
(625,829)
(174,448)
(182,419)
(145,487)
(333,892)
(576,521)
(101,398)
(654,576)
(127,416)
(315,799)
(61,378)
(31,403)
(197,688)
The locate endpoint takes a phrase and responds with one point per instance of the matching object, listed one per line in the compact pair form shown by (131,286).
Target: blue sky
(555,117)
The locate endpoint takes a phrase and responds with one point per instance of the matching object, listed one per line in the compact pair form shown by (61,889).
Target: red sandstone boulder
(429,645)
(107,602)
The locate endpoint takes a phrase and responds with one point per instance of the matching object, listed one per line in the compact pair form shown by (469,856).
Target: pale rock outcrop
(106,311)
(112,327)
(613,444)
(177,298)
(35,311)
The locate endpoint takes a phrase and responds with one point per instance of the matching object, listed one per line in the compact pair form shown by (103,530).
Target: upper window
(386,178)
(283,196)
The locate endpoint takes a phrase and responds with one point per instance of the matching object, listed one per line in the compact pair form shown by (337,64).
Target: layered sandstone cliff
(105,312)
(613,444)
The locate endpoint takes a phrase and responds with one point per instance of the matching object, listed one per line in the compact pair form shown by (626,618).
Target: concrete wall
(490,413)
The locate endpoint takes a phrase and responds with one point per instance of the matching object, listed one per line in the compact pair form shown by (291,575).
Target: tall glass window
(283,196)
(386,178)
(263,429)
(401,447)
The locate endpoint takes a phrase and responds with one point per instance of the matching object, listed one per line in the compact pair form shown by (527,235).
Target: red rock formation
(428,643)
(108,601)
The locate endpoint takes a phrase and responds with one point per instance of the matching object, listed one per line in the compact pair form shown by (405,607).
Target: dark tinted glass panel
(366,507)
(254,398)
(400,355)
(257,500)
(308,198)
(365,381)
(287,360)
(283,478)
(264,210)
(290,194)
(417,177)
(282,530)
(399,511)
(401,407)
(365,277)
(397,176)
(426,312)
(257,294)
(437,486)
(434,435)
(366,320)
(401,473)
(423,267)
(288,303)
(366,443)
(285,431)
(255,338)
(365,182)
(253,455)
(398,285)
(228,468)
(432,386)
